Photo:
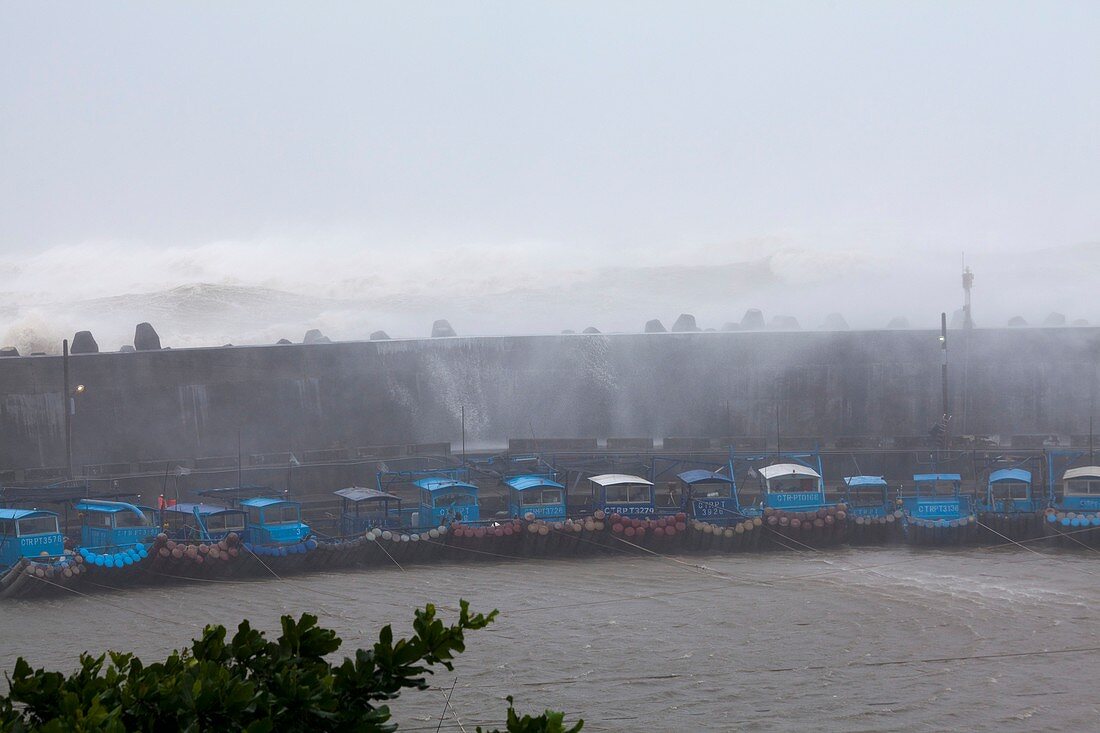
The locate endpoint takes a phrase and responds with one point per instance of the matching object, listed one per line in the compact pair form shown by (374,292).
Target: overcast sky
(597,124)
(268,143)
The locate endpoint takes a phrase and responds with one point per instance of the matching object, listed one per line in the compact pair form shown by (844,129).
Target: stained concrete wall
(178,404)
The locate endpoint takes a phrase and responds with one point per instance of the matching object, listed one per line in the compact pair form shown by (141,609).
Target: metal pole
(67,398)
(778,448)
(238,461)
(943,349)
(463,436)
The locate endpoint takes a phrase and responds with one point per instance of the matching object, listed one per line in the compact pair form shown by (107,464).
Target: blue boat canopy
(357,494)
(108,507)
(921,478)
(1010,474)
(23,513)
(530,481)
(435,483)
(865,480)
(202,509)
(261,501)
(699,476)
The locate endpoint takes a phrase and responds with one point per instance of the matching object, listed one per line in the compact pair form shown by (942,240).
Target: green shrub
(249,683)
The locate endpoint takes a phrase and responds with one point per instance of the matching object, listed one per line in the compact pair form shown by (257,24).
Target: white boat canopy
(1082,472)
(618,479)
(780,470)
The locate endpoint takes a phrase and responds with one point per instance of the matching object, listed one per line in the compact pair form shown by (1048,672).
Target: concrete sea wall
(150,407)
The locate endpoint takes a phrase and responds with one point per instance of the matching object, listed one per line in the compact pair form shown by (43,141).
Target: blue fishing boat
(114,536)
(273,521)
(1074,512)
(787,493)
(536,496)
(873,514)
(792,487)
(624,495)
(1008,510)
(709,496)
(794,505)
(364,509)
(275,537)
(937,512)
(445,500)
(711,502)
(29,533)
(108,526)
(33,559)
(202,522)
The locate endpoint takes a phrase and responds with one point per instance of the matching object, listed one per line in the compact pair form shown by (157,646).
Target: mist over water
(258,292)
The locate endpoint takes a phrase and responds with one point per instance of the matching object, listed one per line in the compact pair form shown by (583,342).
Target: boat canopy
(779,470)
(260,502)
(865,480)
(1082,472)
(532,481)
(1010,474)
(357,494)
(618,479)
(923,478)
(435,483)
(23,513)
(107,507)
(699,476)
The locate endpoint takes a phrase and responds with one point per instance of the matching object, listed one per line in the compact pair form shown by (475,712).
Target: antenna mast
(968,282)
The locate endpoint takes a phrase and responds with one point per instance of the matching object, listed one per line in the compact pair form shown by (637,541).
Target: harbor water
(865,640)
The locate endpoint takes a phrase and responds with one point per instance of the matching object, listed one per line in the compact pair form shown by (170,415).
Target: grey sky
(527,167)
(587,124)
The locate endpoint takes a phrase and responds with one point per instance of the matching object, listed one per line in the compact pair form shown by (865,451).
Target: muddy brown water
(863,640)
